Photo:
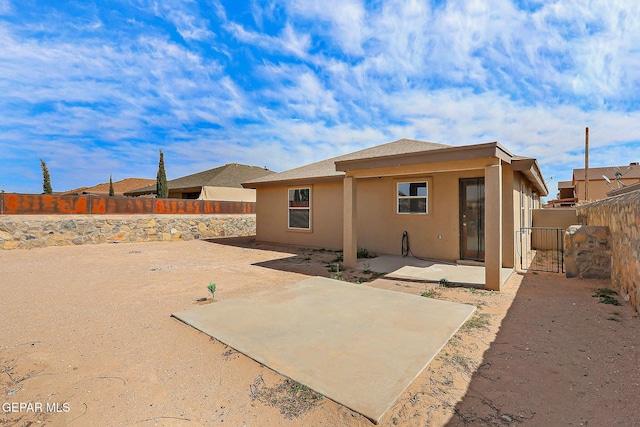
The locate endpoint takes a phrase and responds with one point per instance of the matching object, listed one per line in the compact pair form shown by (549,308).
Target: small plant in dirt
(338,258)
(428,294)
(445,283)
(478,321)
(212,289)
(337,272)
(367,268)
(364,253)
(291,397)
(606,296)
(375,274)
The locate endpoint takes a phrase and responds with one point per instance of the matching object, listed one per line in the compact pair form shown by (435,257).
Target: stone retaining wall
(35,231)
(587,252)
(622,215)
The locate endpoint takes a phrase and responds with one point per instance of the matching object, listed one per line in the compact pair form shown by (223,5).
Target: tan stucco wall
(598,189)
(552,219)
(556,217)
(508,196)
(435,235)
(326,216)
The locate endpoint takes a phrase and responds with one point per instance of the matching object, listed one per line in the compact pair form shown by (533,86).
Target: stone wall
(622,215)
(587,252)
(35,231)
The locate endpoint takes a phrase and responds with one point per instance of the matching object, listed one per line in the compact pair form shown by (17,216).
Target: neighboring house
(618,176)
(119,187)
(221,183)
(566,196)
(454,203)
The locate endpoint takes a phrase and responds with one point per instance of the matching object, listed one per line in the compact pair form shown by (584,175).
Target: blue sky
(98,87)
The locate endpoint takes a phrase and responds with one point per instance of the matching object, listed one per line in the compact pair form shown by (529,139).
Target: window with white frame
(300,208)
(412,197)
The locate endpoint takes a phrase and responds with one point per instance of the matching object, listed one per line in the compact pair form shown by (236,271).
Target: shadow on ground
(312,262)
(559,358)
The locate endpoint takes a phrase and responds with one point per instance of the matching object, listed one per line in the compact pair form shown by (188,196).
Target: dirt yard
(87,340)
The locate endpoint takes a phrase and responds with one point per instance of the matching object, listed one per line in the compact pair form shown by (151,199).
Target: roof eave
(531,169)
(294,182)
(466,152)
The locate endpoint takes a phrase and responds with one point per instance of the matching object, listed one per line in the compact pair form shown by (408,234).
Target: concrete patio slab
(357,345)
(429,271)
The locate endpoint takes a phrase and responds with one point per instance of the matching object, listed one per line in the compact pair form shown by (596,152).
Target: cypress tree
(162,189)
(46,179)
(111,190)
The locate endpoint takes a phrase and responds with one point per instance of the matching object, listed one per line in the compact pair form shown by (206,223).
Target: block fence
(44,204)
(622,215)
(36,231)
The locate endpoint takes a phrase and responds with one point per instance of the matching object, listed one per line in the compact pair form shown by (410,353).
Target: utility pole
(586,165)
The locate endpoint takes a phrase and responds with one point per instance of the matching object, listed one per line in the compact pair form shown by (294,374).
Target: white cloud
(5,7)
(297,81)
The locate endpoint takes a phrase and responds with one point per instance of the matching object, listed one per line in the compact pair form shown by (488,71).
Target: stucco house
(616,177)
(221,183)
(454,202)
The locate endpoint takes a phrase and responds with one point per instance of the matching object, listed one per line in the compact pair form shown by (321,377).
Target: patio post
(350,226)
(493,226)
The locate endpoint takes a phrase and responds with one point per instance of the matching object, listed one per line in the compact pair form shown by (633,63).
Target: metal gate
(541,249)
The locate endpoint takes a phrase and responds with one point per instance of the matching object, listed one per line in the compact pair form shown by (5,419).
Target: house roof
(229,175)
(119,187)
(326,169)
(397,153)
(565,184)
(631,171)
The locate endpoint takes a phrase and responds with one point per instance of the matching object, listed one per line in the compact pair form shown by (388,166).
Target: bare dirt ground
(86,333)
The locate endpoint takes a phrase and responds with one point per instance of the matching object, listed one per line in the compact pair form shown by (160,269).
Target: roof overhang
(294,182)
(467,152)
(531,169)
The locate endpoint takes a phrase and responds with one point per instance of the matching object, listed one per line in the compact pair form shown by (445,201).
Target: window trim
(289,208)
(426,197)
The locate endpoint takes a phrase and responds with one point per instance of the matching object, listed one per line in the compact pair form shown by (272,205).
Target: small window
(412,197)
(300,208)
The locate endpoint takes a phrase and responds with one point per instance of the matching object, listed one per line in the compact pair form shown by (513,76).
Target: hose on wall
(406,250)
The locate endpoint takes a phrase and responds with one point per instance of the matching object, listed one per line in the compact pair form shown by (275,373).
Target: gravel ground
(87,339)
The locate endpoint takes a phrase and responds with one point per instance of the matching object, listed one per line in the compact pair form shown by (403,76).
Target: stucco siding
(326,216)
(435,235)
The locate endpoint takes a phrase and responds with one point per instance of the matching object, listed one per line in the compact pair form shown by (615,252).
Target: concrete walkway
(411,268)
(356,345)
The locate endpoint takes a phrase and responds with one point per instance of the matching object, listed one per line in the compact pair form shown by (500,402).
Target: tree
(46,179)
(111,190)
(162,189)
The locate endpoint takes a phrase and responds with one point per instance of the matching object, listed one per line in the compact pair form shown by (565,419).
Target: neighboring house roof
(565,184)
(631,171)
(401,152)
(327,168)
(229,175)
(119,187)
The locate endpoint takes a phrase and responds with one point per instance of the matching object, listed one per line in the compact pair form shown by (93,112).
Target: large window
(412,197)
(300,208)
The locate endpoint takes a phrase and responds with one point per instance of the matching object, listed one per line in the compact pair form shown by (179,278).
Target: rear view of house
(451,202)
